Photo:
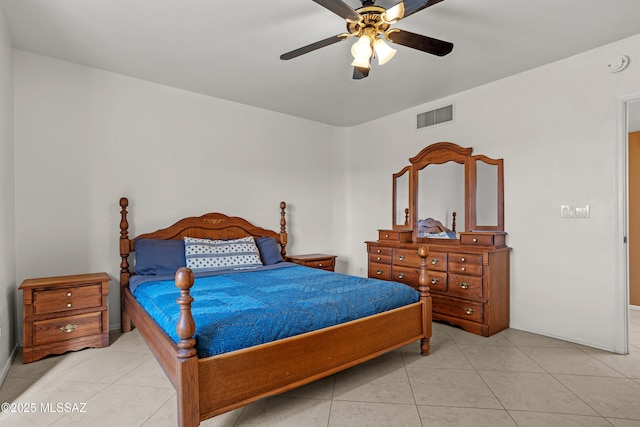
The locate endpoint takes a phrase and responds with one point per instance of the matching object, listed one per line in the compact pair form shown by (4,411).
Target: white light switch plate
(574,211)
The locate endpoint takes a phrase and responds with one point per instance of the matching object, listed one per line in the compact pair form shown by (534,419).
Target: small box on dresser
(64,313)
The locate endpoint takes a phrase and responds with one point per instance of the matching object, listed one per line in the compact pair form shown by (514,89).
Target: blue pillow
(269,250)
(159,257)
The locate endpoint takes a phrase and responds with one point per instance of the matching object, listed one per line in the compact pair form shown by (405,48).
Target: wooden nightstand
(321,261)
(64,313)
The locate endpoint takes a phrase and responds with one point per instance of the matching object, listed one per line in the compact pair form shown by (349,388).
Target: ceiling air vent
(434,117)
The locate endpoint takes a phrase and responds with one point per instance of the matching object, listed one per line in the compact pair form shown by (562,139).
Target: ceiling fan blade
(420,42)
(360,73)
(340,8)
(408,7)
(314,46)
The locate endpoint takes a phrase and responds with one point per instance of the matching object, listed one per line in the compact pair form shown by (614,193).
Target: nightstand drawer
(325,264)
(321,261)
(71,298)
(65,328)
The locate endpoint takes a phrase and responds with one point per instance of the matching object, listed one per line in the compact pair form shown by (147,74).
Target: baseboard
(634,307)
(7,365)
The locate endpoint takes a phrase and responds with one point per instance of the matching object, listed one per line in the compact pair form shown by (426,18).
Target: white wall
(7,238)
(555,127)
(86,137)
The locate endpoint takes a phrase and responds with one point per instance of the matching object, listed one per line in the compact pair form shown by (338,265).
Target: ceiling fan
(371,24)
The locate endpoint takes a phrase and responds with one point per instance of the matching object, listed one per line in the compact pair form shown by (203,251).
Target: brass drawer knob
(463,259)
(378,272)
(469,310)
(68,305)
(464,285)
(379,251)
(319,264)
(386,235)
(68,328)
(475,240)
(463,269)
(434,281)
(400,275)
(68,294)
(434,261)
(379,258)
(401,257)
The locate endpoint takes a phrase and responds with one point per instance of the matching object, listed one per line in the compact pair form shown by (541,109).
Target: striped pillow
(212,255)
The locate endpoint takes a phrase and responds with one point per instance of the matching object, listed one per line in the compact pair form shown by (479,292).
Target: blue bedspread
(243,309)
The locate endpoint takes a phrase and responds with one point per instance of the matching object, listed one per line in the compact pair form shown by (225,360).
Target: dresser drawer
(406,275)
(477,239)
(437,280)
(468,286)
(380,271)
(457,308)
(406,257)
(464,268)
(381,259)
(380,250)
(395,235)
(65,328)
(70,298)
(465,258)
(437,261)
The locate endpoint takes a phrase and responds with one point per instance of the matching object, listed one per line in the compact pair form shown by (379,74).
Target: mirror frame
(408,216)
(443,152)
(437,154)
(473,170)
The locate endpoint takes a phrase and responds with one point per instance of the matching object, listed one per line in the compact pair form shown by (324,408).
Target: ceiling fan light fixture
(383,51)
(362,48)
(393,14)
(362,62)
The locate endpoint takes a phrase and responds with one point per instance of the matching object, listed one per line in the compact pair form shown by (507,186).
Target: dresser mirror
(448,191)
(489,190)
(441,194)
(401,197)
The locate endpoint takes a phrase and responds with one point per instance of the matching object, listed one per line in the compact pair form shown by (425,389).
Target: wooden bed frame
(211,386)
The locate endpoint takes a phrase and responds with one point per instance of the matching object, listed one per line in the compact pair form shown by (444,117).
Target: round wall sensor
(618,63)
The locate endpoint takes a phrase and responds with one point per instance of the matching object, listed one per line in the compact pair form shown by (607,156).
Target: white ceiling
(231,49)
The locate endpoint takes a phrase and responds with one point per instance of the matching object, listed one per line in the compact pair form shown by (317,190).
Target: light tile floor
(513,378)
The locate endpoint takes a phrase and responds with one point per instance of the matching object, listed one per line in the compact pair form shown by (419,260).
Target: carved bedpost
(187,387)
(406,216)
(283,230)
(425,297)
(453,222)
(125,274)
(186,326)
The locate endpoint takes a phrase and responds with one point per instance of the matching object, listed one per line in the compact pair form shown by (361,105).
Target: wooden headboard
(207,226)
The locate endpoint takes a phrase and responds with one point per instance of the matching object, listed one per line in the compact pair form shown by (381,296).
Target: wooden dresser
(447,188)
(468,278)
(64,313)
